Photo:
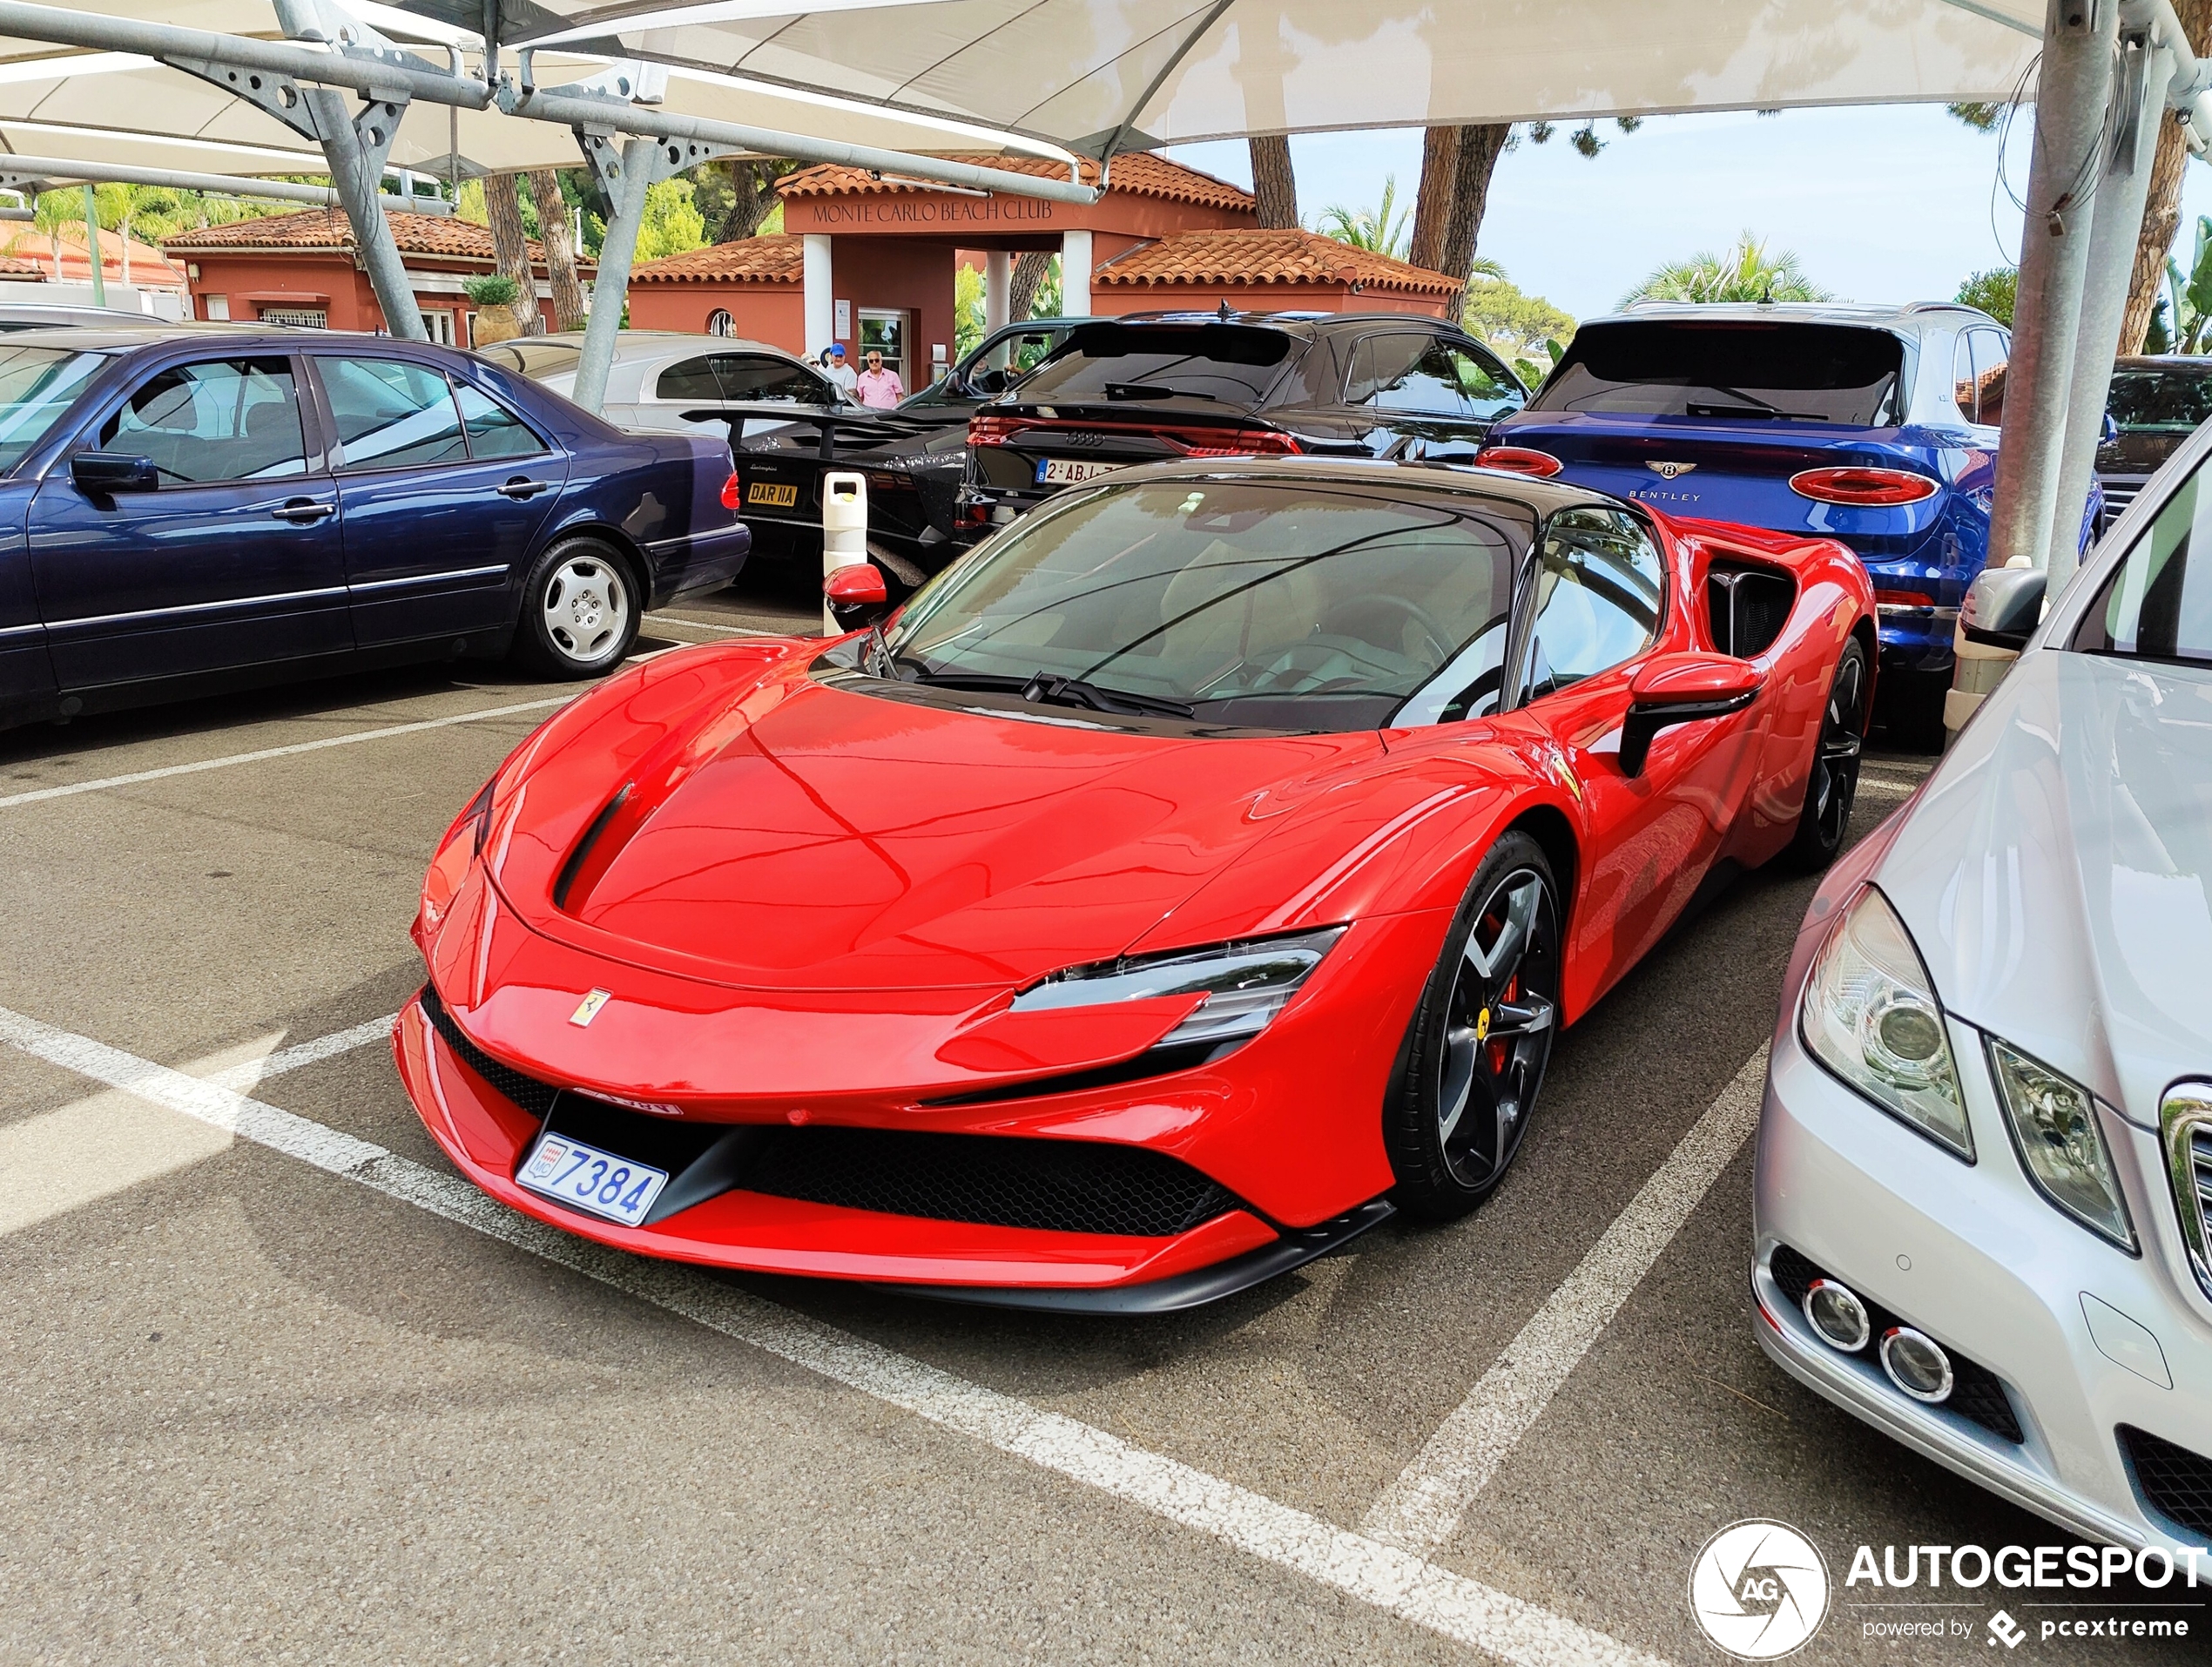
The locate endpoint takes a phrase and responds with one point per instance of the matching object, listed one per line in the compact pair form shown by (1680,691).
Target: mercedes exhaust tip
(1917,1364)
(1837,1316)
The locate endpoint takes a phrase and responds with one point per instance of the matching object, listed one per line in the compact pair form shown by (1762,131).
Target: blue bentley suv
(1876,426)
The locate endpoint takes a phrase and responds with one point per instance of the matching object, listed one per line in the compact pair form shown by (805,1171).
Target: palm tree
(120,206)
(54,210)
(2193,291)
(1377,230)
(1746,273)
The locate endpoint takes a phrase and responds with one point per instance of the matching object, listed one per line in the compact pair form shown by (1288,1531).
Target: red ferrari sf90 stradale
(1195,873)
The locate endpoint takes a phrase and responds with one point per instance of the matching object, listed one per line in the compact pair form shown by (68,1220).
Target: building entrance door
(885,333)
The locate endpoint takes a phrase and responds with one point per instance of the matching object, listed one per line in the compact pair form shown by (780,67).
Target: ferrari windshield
(1293,604)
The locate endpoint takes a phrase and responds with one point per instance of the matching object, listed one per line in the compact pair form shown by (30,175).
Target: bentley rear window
(1730,369)
(1297,605)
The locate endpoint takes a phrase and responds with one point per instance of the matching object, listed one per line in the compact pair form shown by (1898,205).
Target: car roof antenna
(1224,312)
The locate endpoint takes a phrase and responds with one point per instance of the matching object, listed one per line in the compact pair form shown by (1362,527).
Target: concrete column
(1075,274)
(998,288)
(821,310)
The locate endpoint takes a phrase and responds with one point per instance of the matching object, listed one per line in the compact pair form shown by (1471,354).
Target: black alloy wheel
(1475,1060)
(1834,781)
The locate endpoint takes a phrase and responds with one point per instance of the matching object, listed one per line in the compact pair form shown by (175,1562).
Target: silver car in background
(659,375)
(1984,1159)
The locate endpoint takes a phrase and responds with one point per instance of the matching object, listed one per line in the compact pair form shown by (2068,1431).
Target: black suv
(1152,386)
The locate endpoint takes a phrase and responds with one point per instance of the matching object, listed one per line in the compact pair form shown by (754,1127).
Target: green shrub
(493,289)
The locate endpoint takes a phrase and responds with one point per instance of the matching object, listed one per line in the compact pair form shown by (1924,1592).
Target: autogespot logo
(1759,1589)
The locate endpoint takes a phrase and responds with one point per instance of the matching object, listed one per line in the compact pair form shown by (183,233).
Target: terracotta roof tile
(778,258)
(15,267)
(326,228)
(1138,173)
(1260,257)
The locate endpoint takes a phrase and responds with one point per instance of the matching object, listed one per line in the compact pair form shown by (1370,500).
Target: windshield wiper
(1045,688)
(1759,408)
(1154,391)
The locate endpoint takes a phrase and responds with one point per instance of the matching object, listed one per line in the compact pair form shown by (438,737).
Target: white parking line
(242,1078)
(1422,1509)
(727,630)
(38,793)
(1389,1578)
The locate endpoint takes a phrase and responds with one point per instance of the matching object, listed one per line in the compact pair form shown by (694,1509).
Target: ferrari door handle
(304,512)
(519,489)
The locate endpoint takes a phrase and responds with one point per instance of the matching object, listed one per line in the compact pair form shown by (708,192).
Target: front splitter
(1172,1295)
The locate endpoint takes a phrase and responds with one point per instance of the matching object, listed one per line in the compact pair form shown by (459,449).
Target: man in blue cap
(841,376)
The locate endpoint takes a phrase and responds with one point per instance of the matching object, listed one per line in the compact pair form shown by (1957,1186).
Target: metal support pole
(356,173)
(355,149)
(2139,103)
(2072,94)
(92,246)
(625,182)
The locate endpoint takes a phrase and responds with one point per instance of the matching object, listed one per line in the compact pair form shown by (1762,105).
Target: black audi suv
(1153,387)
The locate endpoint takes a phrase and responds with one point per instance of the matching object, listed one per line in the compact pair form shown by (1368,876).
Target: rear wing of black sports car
(840,428)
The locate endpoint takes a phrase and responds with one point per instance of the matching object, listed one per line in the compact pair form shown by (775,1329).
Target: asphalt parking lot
(274,1386)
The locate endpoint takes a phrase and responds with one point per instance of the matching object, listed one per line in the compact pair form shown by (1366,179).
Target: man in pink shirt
(877,386)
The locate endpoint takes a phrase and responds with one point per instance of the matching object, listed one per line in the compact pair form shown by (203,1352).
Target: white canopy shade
(1135,73)
(116,107)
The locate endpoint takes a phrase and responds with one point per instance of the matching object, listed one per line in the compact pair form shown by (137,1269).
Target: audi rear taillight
(1254,442)
(1519,460)
(990,430)
(1864,488)
(732,492)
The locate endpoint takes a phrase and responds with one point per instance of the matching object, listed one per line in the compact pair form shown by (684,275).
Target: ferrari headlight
(1871,1015)
(1245,984)
(2055,1126)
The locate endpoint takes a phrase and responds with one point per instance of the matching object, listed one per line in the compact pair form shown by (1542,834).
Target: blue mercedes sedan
(1876,426)
(205,506)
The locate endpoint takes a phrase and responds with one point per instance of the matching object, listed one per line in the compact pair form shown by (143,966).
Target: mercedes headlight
(2055,1126)
(1245,984)
(1871,1015)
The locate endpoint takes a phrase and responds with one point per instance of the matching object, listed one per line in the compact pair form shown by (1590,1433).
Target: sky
(1880,203)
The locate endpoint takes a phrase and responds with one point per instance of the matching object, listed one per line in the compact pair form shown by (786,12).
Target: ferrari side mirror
(1682,689)
(857,596)
(2003,606)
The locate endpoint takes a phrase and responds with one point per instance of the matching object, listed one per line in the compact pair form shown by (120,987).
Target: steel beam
(593,109)
(38,171)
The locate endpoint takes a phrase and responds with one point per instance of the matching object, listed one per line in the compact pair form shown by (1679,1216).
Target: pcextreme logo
(1759,1589)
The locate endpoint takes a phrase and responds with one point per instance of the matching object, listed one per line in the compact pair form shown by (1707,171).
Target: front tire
(1481,1038)
(581,610)
(1834,781)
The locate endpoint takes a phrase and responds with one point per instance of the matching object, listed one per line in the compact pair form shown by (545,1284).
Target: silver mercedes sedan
(1985,1160)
